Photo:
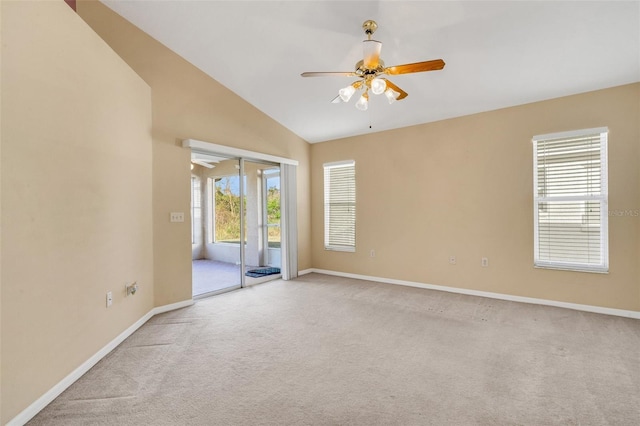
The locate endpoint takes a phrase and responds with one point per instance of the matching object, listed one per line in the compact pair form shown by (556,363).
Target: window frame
(602,198)
(213,234)
(196,206)
(328,244)
(267,175)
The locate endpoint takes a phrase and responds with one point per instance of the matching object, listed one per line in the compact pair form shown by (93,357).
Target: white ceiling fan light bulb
(378,86)
(346,93)
(391,95)
(363,102)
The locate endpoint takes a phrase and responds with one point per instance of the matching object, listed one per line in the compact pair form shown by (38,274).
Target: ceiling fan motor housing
(363,71)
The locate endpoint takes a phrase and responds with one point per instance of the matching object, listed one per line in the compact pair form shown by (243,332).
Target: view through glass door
(262,222)
(228,252)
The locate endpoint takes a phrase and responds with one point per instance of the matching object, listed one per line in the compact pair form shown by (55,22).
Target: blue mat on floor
(262,272)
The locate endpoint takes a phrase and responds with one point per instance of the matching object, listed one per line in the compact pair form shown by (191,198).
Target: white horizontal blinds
(570,200)
(340,206)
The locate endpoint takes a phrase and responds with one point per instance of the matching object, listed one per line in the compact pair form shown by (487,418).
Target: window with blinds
(340,206)
(570,200)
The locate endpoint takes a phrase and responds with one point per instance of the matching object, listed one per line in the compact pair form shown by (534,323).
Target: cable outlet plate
(131,289)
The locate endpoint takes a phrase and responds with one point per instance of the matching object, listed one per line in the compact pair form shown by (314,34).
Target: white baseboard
(172,307)
(306,271)
(501,296)
(33,409)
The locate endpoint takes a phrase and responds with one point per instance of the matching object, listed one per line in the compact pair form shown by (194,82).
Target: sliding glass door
(236,223)
(262,221)
(217,253)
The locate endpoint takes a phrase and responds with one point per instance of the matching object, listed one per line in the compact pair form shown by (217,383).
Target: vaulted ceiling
(498,54)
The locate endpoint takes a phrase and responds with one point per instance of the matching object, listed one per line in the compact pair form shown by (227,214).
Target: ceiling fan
(369,71)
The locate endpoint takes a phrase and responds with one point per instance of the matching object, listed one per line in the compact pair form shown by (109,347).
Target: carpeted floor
(323,350)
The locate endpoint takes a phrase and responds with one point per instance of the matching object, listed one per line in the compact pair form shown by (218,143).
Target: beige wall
(464,187)
(76,197)
(189,104)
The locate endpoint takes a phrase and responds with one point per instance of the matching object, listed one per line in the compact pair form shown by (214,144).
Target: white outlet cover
(176,217)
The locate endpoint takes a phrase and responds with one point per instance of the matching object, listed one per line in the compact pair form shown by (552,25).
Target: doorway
(236,218)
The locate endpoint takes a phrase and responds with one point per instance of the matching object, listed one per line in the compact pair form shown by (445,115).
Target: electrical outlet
(176,217)
(452,260)
(485,262)
(372,253)
(109,299)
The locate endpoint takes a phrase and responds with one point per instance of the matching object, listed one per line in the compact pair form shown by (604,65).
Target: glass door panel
(271,179)
(218,267)
(262,221)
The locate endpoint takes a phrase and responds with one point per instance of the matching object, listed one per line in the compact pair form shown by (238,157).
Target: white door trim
(210,148)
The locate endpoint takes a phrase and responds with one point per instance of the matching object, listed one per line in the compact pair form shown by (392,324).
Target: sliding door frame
(288,206)
(243,222)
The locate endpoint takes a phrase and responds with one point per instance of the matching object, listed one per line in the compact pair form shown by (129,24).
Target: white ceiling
(497,54)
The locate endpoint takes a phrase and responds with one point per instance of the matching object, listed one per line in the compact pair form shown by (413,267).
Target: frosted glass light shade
(378,85)
(391,95)
(346,93)
(363,102)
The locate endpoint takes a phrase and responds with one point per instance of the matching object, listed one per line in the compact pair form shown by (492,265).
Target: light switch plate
(176,217)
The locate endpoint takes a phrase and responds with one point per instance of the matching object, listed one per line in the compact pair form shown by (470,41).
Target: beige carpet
(330,351)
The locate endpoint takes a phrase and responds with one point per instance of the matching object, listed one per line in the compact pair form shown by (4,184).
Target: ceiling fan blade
(436,64)
(372,50)
(392,86)
(328,74)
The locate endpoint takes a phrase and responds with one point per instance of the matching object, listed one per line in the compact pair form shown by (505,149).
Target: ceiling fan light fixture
(346,92)
(363,102)
(378,86)
(370,68)
(391,95)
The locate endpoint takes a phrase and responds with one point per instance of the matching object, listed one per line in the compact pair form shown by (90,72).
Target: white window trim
(213,211)
(327,245)
(603,268)
(193,211)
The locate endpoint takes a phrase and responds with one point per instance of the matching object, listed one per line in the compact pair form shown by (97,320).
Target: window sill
(571,268)
(343,249)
